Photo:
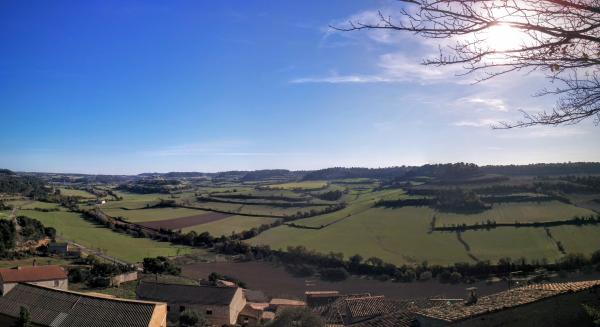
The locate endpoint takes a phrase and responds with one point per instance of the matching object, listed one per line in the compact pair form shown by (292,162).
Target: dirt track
(178,223)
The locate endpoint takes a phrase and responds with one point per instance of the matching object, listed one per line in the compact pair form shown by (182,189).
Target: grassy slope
(511,212)
(157,214)
(578,239)
(233,224)
(306,185)
(80,193)
(357,203)
(531,243)
(70,226)
(397,236)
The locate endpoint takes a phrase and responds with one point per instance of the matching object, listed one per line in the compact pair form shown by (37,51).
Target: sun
(503,37)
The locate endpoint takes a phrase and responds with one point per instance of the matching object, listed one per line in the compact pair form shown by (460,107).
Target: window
(56,283)
(181,308)
(208,312)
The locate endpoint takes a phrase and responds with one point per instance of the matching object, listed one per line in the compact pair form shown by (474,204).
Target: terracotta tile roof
(504,300)
(32,274)
(53,307)
(364,307)
(371,311)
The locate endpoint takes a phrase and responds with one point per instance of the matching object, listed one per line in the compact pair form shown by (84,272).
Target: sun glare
(503,37)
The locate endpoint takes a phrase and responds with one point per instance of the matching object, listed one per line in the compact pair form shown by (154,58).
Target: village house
(64,249)
(220,305)
(551,304)
(50,276)
(365,310)
(59,308)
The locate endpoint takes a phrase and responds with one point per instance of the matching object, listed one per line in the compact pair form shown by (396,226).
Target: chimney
(471,296)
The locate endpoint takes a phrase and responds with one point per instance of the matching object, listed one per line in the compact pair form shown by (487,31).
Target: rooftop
(359,310)
(503,300)
(179,293)
(32,274)
(59,308)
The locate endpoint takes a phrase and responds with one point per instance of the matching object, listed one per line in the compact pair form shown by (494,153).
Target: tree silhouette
(561,38)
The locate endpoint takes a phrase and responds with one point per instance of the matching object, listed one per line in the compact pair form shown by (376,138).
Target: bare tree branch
(560,38)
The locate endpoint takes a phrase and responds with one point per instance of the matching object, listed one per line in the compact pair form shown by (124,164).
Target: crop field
(135,201)
(530,243)
(306,185)
(70,226)
(154,214)
(253,209)
(513,212)
(578,239)
(231,224)
(74,192)
(360,203)
(394,235)
(402,236)
(182,222)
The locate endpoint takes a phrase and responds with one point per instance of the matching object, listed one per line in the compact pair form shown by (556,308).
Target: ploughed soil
(275,281)
(182,222)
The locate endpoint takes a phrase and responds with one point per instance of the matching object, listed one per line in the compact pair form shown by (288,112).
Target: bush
(191,318)
(76,275)
(408,276)
(334,274)
(455,277)
(426,275)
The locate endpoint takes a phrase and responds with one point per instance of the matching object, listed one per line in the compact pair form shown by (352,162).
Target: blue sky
(139,86)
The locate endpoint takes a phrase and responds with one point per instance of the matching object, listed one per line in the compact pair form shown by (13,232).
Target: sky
(125,87)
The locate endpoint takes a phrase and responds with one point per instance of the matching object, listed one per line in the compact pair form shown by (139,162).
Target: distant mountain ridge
(455,170)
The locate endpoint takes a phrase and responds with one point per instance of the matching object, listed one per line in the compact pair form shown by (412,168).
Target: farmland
(422,217)
(231,224)
(70,226)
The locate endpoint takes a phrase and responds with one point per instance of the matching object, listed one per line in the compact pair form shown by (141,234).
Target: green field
(578,239)
(154,214)
(306,185)
(360,202)
(135,201)
(78,193)
(253,209)
(233,224)
(402,236)
(394,235)
(530,243)
(70,226)
(512,212)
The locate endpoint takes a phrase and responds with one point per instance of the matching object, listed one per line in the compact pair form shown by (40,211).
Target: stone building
(50,276)
(220,305)
(551,304)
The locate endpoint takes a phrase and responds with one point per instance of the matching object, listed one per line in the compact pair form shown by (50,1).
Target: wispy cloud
(542,132)
(475,123)
(495,104)
(392,68)
(337,79)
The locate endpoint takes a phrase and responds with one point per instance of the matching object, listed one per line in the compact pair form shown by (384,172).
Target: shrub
(455,277)
(426,275)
